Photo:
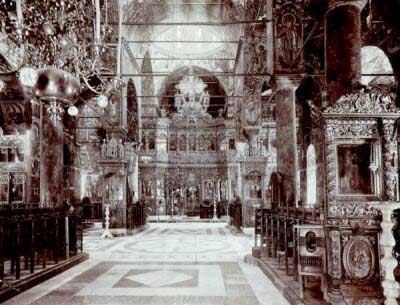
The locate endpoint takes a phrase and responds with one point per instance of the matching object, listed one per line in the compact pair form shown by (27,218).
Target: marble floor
(167,264)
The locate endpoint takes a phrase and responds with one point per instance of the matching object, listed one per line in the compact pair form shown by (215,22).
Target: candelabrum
(216,196)
(107,232)
(215,216)
(173,197)
(158,211)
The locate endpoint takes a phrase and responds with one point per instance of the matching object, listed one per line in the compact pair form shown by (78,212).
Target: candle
(98,17)
(19,12)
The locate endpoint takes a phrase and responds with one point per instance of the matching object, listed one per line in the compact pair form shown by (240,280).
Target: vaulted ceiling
(180,33)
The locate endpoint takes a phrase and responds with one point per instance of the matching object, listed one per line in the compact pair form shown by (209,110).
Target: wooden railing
(275,229)
(136,215)
(206,210)
(31,238)
(235,215)
(92,212)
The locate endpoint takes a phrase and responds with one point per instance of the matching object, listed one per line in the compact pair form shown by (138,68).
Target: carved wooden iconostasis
(118,162)
(362,177)
(19,153)
(193,155)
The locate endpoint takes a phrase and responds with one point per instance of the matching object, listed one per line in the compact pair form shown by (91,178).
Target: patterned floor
(171,264)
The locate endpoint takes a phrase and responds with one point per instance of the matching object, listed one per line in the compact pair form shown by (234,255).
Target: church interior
(186,152)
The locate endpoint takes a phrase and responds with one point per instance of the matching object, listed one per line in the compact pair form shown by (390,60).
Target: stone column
(124,107)
(135,186)
(286,135)
(162,160)
(51,165)
(343,46)
(133,172)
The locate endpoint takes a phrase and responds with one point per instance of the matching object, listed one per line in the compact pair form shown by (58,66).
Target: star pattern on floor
(178,263)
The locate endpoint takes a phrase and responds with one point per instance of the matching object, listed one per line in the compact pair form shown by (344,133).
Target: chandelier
(50,40)
(191,98)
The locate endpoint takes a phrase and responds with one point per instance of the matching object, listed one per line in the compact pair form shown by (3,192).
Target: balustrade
(276,230)
(136,215)
(38,237)
(235,215)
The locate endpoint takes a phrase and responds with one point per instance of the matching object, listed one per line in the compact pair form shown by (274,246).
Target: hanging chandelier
(59,58)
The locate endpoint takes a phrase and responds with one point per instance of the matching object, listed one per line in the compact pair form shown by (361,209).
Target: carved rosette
(390,158)
(359,258)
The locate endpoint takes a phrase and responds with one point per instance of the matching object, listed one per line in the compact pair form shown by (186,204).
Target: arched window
(202,142)
(192,142)
(311,176)
(182,143)
(172,142)
(152,142)
(375,61)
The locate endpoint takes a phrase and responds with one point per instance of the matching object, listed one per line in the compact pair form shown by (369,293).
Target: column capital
(288,80)
(360,4)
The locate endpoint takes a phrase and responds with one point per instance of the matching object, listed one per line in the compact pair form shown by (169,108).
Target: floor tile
(171,264)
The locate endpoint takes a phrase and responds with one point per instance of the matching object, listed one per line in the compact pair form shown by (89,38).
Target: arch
(202,142)
(151,141)
(311,174)
(132,105)
(276,195)
(215,87)
(166,11)
(375,61)
(182,142)
(173,142)
(192,142)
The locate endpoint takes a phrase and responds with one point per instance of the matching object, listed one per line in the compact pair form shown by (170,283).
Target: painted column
(391,287)
(286,135)
(269,36)
(390,160)
(124,106)
(162,160)
(51,165)
(136,178)
(343,46)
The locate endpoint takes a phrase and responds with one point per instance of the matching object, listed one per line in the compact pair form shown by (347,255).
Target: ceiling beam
(205,23)
(188,58)
(163,74)
(181,41)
